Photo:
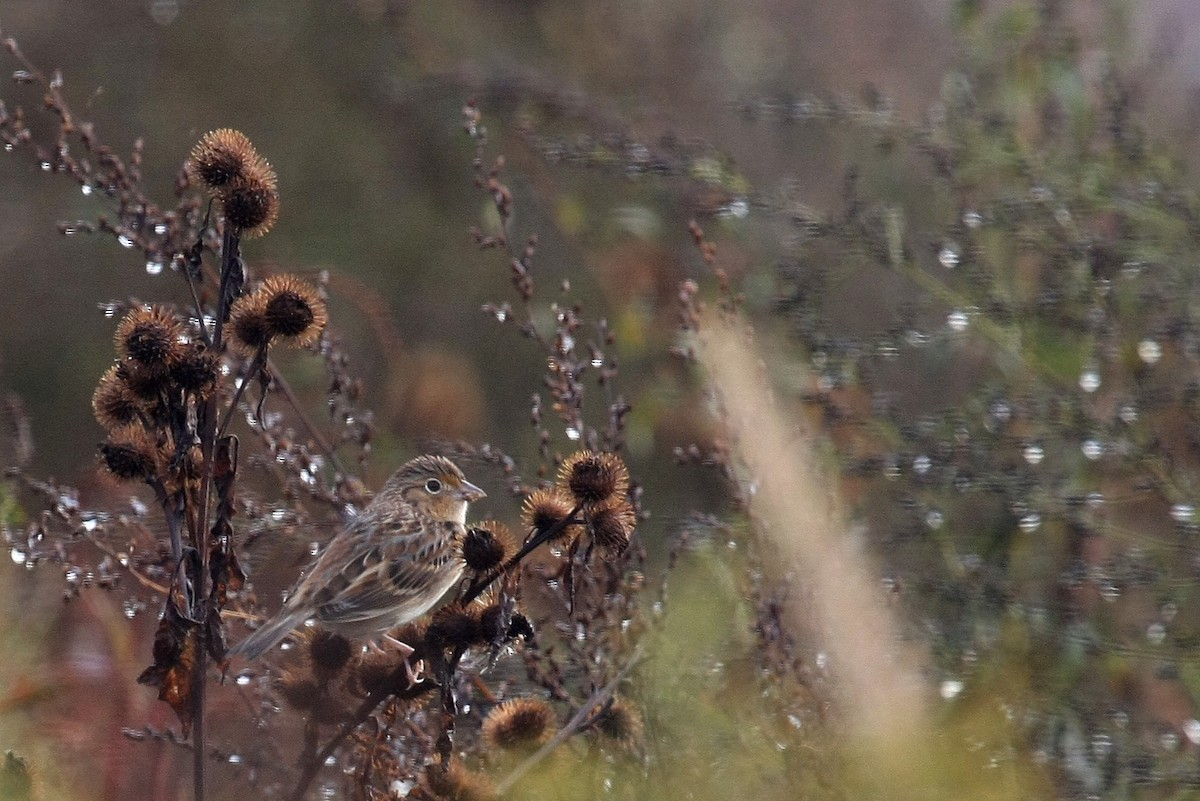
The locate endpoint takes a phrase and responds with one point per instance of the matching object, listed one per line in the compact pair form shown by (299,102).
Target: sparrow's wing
(384,571)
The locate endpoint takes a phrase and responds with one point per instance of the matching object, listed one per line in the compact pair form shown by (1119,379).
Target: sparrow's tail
(267,635)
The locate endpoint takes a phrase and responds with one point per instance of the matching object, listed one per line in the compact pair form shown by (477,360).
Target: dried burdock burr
(593,478)
(546,510)
(149,337)
(519,723)
(457,624)
(611,525)
(221,157)
(195,369)
(251,201)
(130,453)
(620,721)
(284,309)
(329,652)
(455,783)
(486,545)
(114,403)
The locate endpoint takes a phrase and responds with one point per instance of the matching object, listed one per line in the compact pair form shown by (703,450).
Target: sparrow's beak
(469,492)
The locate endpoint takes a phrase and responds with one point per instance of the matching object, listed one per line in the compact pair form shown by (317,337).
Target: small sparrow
(389,565)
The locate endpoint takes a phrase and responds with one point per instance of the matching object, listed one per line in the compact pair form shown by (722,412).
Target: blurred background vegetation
(967,235)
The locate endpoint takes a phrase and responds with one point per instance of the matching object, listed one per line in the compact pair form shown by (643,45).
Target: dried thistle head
(519,723)
(620,722)
(453,782)
(284,309)
(247,331)
(294,311)
(611,525)
(546,509)
(195,369)
(221,157)
(329,652)
(486,545)
(145,383)
(149,337)
(383,672)
(593,478)
(113,402)
(299,690)
(130,453)
(251,201)
(456,624)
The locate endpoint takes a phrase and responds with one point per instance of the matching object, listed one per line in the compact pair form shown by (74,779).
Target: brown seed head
(329,653)
(611,525)
(456,625)
(247,330)
(295,314)
(251,201)
(130,453)
(621,722)
(149,337)
(486,545)
(145,383)
(519,723)
(220,157)
(113,402)
(546,508)
(456,783)
(298,690)
(593,478)
(195,369)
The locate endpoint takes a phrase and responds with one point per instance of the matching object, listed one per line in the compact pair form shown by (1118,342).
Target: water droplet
(1093,449)
(958,320)
(244,678)
(45,166)
(950,689)
(922,464)
(1031,522)
(1110,592)
(18,556)
(125,241)
(235,759)
(1168,611)
(86,189)
(1156,633)
(934,518)
(138,507)
(1089,380)
(1149,351)
(1095,499)
(501,315)
(1128,414)
(972,219)
(1169,741)
(572,433)
(1034,454)
(1062,216)
(822,660)
(1001,411)
(130,608)
(1183,513)
(1191,730)
(1101,745)
(948,255)
(154,267)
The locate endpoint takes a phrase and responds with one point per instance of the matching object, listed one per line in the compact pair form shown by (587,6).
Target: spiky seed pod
(247,330)
(621,722)
(329,653)
(295,314)
(373,672)
(298,690)
(130,453)
(145,383)
(486,545)
(456,783)
(547,508)
(149,337)
(519,723)
(220,157)
(594,478)
(251,201)
(195,370)
(113,402)
(611,525)
(456,625)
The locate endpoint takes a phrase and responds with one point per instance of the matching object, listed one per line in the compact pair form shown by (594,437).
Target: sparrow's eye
(433,486)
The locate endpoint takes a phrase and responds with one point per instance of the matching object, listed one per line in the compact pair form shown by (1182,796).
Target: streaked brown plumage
(389,565)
